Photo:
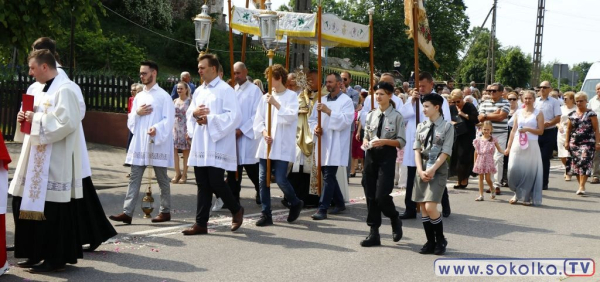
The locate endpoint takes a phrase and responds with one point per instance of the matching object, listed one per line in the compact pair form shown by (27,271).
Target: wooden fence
(100,93)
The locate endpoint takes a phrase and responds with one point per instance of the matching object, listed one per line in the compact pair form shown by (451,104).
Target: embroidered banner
(424,33)
(301,27)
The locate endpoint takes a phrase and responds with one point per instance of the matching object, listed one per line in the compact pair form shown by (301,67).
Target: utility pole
(537,47)
(490,69)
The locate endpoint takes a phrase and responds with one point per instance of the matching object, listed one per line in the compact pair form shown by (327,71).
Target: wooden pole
(232,82)
(244,39)
(287,55)
(372,64)
(416,47)
(320,77)
(270,54)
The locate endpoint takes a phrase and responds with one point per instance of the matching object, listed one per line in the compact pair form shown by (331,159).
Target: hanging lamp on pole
(268,23)
(202,26)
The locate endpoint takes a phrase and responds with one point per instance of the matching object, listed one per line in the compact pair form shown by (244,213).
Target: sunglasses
(345,79)
(512,99)
(493,91)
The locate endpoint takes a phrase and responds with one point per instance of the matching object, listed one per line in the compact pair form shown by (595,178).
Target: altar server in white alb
(212,118)
(284,119)
(94,227)
(48,174)
(151,122)
(337,115)
(248,96)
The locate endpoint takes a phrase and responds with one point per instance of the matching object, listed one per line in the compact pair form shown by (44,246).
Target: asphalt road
(565,226)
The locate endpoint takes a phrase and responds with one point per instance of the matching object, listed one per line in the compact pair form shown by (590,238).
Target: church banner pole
(372,64)
(320,77)
(287,55)
(232,83)
(415,21)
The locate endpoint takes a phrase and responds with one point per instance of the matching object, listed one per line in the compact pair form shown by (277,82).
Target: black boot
(373,239)
(396,229)
(429,247)
(440,240)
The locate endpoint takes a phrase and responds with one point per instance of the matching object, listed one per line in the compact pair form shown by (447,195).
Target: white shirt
(367,107)
(213,144)
(550,107)
(141,151)
(408,113)
(248,96)
(594,104)
(473,100)
(336,130)
(283,126)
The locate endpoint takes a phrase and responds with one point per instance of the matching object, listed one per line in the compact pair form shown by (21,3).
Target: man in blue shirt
(187,78)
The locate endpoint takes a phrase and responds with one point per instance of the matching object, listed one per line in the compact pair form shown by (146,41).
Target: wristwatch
(484,116)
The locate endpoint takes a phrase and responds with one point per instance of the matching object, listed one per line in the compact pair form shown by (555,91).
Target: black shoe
(396,229)
(337,210)
(446,211)
(10,248)
(545,188)
(440,247)
(428,248)
(295,211)
(126,165)
(92,247)
(353,175)
(264,220)
(285,203)
(28,263)
(373,239)
(257,198)
(319,216)
(47,267)
(408,215)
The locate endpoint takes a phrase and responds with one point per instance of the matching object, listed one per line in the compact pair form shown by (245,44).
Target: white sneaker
(217,205)
(4,269)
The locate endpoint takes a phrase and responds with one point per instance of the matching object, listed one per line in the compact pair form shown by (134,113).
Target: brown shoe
(498,191)
(162,217)
(121,217)
(237,220)
(195,230)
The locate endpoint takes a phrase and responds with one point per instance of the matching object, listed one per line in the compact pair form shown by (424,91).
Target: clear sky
(571,33)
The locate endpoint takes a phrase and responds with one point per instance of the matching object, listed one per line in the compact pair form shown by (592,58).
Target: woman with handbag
(464,119)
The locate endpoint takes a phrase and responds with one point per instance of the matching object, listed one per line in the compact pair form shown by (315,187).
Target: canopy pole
(244,36)
(270,54)
(320,77)
(287,54)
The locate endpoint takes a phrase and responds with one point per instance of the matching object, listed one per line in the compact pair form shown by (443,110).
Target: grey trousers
(135,181)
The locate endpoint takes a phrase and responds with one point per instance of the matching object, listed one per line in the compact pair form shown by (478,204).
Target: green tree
(514,68)
(22,22)
(582,68)
(150,13)
(473,65)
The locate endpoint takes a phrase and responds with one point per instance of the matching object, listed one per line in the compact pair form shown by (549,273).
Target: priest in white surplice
(151,122)
(337,115)
(94,226)
(48,174)
(212,117)
(248,97)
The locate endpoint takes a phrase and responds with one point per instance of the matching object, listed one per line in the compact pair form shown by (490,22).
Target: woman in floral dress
(582,137)
(180,131)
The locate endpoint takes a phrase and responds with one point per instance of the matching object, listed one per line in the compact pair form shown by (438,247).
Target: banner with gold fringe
(424,32)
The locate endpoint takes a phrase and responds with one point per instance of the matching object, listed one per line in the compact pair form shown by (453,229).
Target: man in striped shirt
(496,110)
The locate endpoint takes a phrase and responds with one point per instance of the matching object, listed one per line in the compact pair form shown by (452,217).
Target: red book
(27,106)
(129,104)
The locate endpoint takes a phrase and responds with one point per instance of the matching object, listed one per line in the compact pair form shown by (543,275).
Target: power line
(169,38)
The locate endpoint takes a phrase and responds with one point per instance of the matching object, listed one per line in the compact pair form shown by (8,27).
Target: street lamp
(203,25)
(268,23)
